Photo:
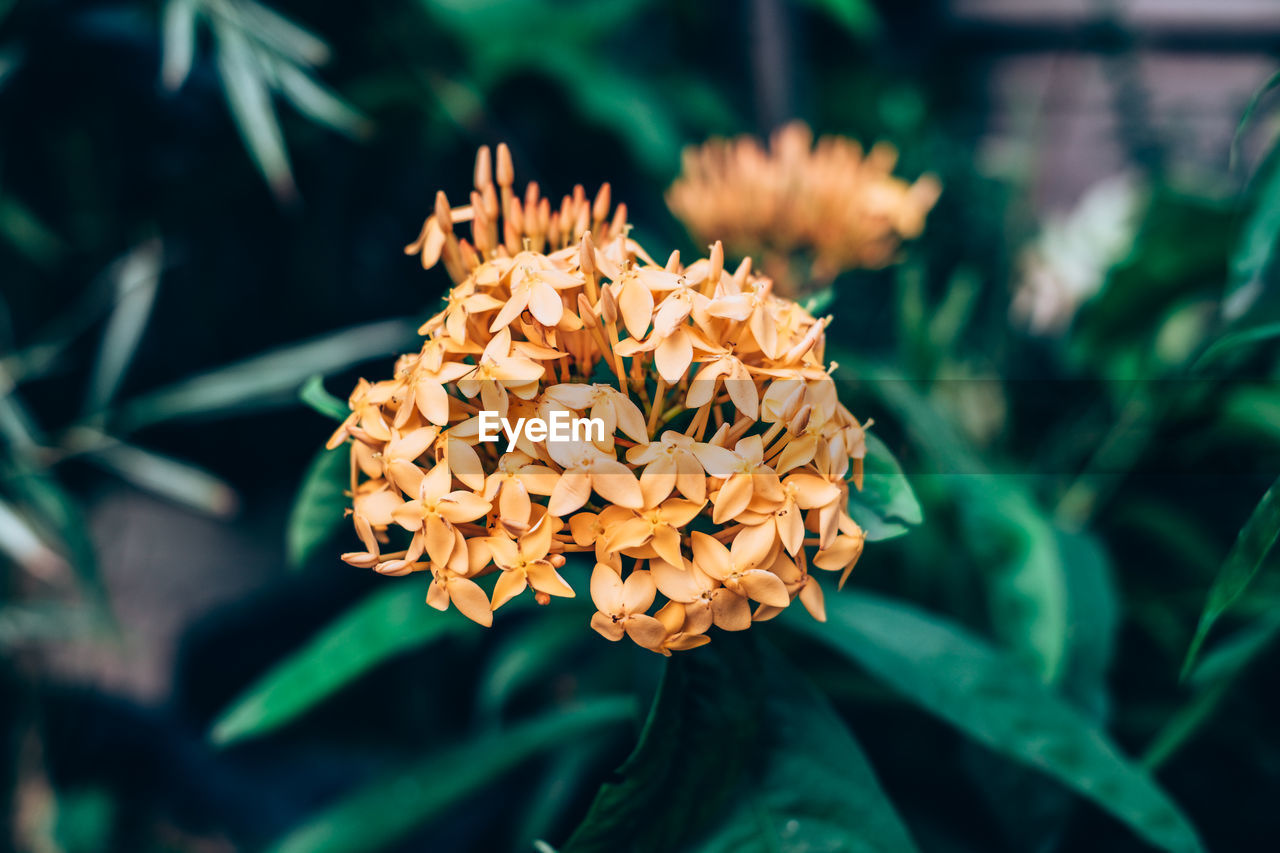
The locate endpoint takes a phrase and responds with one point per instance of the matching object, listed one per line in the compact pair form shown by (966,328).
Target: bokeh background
(203,203)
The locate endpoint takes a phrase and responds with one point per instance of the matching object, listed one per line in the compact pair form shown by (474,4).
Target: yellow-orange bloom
(723,469)
(809,212)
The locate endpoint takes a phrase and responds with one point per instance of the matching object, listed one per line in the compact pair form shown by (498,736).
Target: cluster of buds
(828,207)
(719,478)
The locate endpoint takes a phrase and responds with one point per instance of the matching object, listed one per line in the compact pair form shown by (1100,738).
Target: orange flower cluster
(831,204)
(724,470)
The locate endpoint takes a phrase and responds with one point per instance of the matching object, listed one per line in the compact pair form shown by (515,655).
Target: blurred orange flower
(808,212)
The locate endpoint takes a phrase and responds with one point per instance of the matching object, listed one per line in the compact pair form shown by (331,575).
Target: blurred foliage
(1072,560)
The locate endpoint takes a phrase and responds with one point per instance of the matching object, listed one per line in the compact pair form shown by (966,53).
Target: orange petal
(470,600)
(544,578)
(674,355)
(645,631)
(638,592)
(811,598)
(790,528)
(439,539)
(635,303)
(666,542)
(570,493)
(509,585)
(710,556)
(606,627)
(732,498)
(765,587)
(614,482)
(545,304)
(752,545)
(461,506)
(730,611)
(464,464)
(690,479)
(658,479)
(437,595)
(606,589)
(675,583)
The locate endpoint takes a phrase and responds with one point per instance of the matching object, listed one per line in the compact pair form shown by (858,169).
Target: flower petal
(765,587)
(732,498)
(710,556)
(509,585)
(674,355)
(606,589)
(470,600)
(645,631)
(638,592)
(730,611)
(570,493)
(614,482)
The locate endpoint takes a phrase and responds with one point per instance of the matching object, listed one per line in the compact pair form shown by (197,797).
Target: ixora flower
(719,472)
(831,206)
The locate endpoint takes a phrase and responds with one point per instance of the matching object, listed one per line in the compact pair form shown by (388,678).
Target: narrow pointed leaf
(270,379)
(319,506)
(313,393)
(951,673)
(1253,544)
(383,812)
(389,622)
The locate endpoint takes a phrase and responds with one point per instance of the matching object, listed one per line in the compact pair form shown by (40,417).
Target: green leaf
(1235,340)
(859,17)
(1010,535)
(532,652)
(381,813)
(1250,108)
(318,103)
(270,379)
(740,753)
(389,622)
(1213,679)
(1254,542)
(1255,249)
(249,99)
(319,506)
(313,393)
(136,278)
(951,673)
(178,42)
(886,506)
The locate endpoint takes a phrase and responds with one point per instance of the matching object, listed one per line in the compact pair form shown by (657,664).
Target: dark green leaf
(387,623)
(1213,678)
(964,681)
(1235,340)
(381,813)
(1009,534)
(1253,544)
(272,378)
(858,17)
(886,506)
(249,98)
(740,753)
(528,655)
(319,505)
(1255,249)
(313,393)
